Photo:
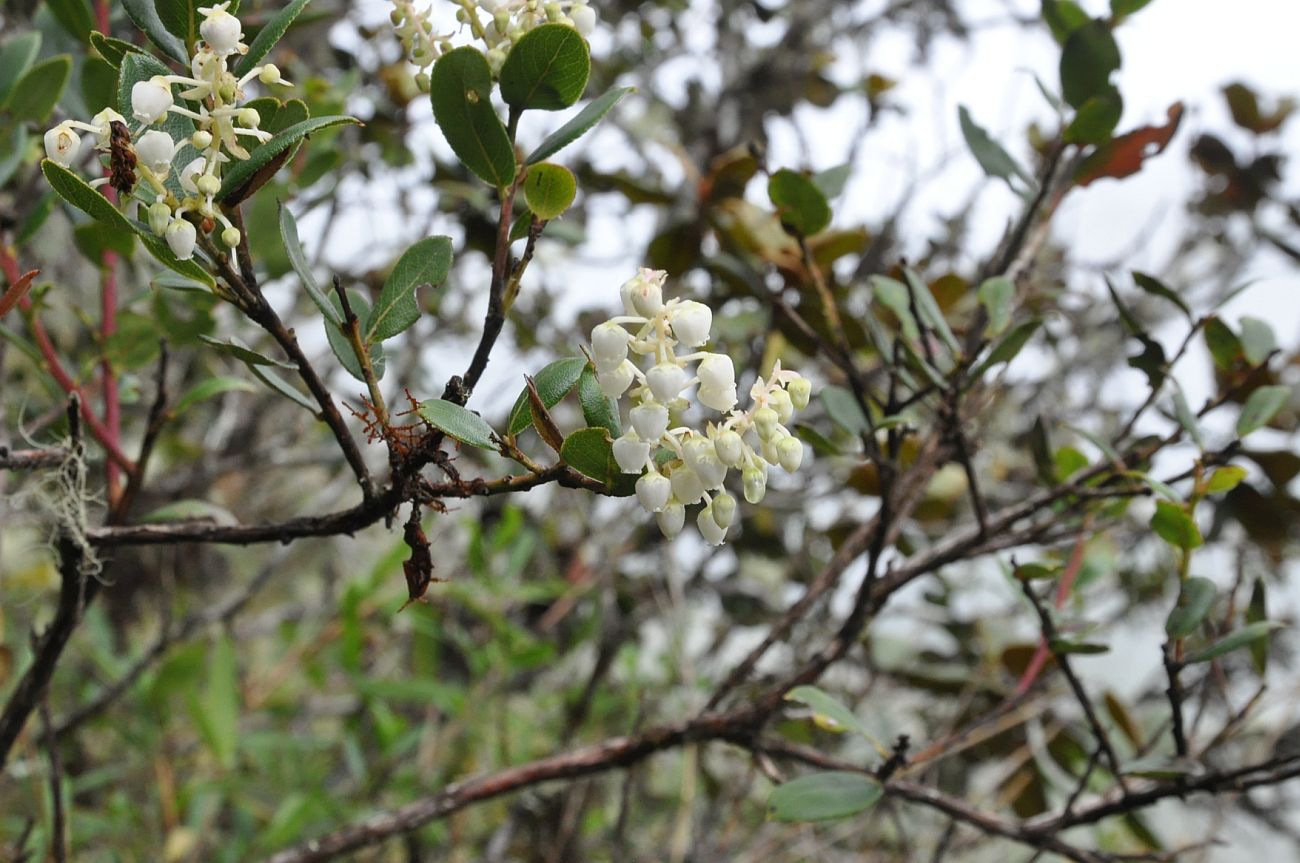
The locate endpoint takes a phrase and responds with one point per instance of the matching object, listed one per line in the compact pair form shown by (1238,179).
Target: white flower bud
(702,457)
(190,174)
(181,236)
(724,510)
(717,382)
(780,402)
(643,293)
(713,533)
(584,19)
(730,448)
(62,145)
(270,74)
(496,58)
(672,518)
(208,184)
(666,380)
(201,140)
(151,99)
(156,150)
(789,453)
(631,453)
(230,236)
(800,389)
(249,117)
(765,420)
(221,31)
(755,480)
(687,486)
(653,491)
(650,419)
(609,345)
(160,216)
(691,322)
(615,383)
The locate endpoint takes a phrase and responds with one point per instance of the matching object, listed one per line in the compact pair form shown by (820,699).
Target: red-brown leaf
(1124,155)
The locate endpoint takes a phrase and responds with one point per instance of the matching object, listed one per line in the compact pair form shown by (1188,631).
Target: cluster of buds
(680,465)
(220,123)
(497,23)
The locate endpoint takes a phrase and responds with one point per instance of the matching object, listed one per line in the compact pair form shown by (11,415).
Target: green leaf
(931,314)
(190,510)
(180,18)
(216,706)
(1194,602)
(1186,416)
(427,262)
(893,295)
(210,388)
(1257,340)
(465,426)
(145,17)
(1034,571)
(461,90)
(829,713)
(98,81)
(581,123)
(112,50)
(1062,17)
(832,181)
(1257,612)
(590,452)
(1161,488)
(284,388)
(16,57)
(39,90)
(1088,58)
(995,161)
(13,149)
(1121,9)
(74,16)
(996,295)
(1086,648)
(801,206)
(1152,285)
(1248,634)
(233,347)
(1222,343)
(1261,407)
(1007,347)
(546,69)
(243,172)
(1096,119)
(1225,478)
(298,260)
(135,68)
(598,409)
(1163,767)
(824,796)
(549,190)
(553,383)
(342,346)
(1175,526)
(843,409)
(270,33)
(77,192)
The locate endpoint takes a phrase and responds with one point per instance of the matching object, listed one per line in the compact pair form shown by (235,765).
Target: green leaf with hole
(996,295)
(1006,348)
(1088,58)
(458,422)
(16,57)
(995,160)
(1176,526)
(801,206)
(144,15)
(590,452)
(424,263)
(549,189)
(598,409)
(1194,602)
(553,383)
(39,90)
(298,260)
(270,34)
(581,123)
(461,90)
(242,176)
(1262,405)
(546,69)
(1248,634)
(824,796)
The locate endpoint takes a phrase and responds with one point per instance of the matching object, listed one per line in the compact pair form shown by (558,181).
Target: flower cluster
(498,23)
(680,465)
(220,124)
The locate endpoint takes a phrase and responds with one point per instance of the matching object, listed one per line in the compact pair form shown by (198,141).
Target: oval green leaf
(824,796)
(1261,407)
(464,425)
(801,206)
(1089,57)
(1175,526)
(598,409)
(1248,634)
(549,190)
(425,263)
(1194,602)
(547,69)
(553,383)
(461,90)
(590,452)
(38,91)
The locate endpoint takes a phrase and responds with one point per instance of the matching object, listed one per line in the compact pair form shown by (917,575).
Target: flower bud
(666,380)
(755,481)
(496,58)
(62,145)
(765,420)
(584,19)
(724,510)
(190,174)
(208,185)
(181,236)
(156,149)
(631,453)
(691,322)
(713,533)
(687,486)
(151,99)
(230,236)
(789,453)
(249,117)
(671,519)
(717,382)
(643,293)
(160,216)
(270,74)
(609,345)
(800,389)
(201,139)
(781,403)
(653,491)
(702,457)
(730,448)
(650,419)
(615,383)
(221,31)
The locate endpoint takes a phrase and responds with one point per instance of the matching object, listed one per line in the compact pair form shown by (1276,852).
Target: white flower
(643,293)
(231,236)
(687,485)
(713,533)
(584,19)
(653,491)
(790,453)
(62,144)
(800,389)
(631,453)
(221,30)
(156,149)
(671,519)
(650,419)
(609,346)
(730,448)
(103,126)
(717,382)
(691,322)
(780,402)
(151,99)
(191,173)
(666,381)
(765,420)
(724,510)
(616,382)
(702,457)
(160,216)
(181,236)
(755,480)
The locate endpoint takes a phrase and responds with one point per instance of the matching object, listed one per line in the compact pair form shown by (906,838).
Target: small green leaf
(1257,340)
(995,160)
(1161,488)
(1261,407)
(824,796)
(581,123)
(284,388)
(598,409)
(266,38)
(832,181)
(1007,347)
(931,314)
(1248,634)
(1088,58)
(242,172)
(112,50)
(1035,571)
(892,294)
(39,90)
(424,263)
(1222,343)
(1121,9)
(1062,17)
(1152,285)
(1067,646)
(1096,119)
(1194,602)
(1175,526)
(1257,612)
(801,206)
(461,90)
(996,295)
(828,712)
(1225,478)
(145,17)
(843,409)
(210,388)
(233,347)
(216,705)
(16,57)
(549,190)
(464,425)
(1161,767)
(1186,416)
(553,383)
(74,16)
(298,260)
(821,444)
(546,69)
(590,452)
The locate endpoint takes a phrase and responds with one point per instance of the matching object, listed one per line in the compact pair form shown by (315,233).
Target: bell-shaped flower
(615,383)
(160,216)
(780,402)
(643,294)
(717,382)
(181,236)
(713,533)
(672,518)
(724,510)
(653,491)
(631,453)
(191,173)
(755,481)
(765,421)
(800,389)
(221,30)
(730,448)
(155,149)
(789,452)
(702,457)
(609,346)
(666,381)
(62,144)
(584,19)
(691,322)
(650,419)
(687,485)
(150,100)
